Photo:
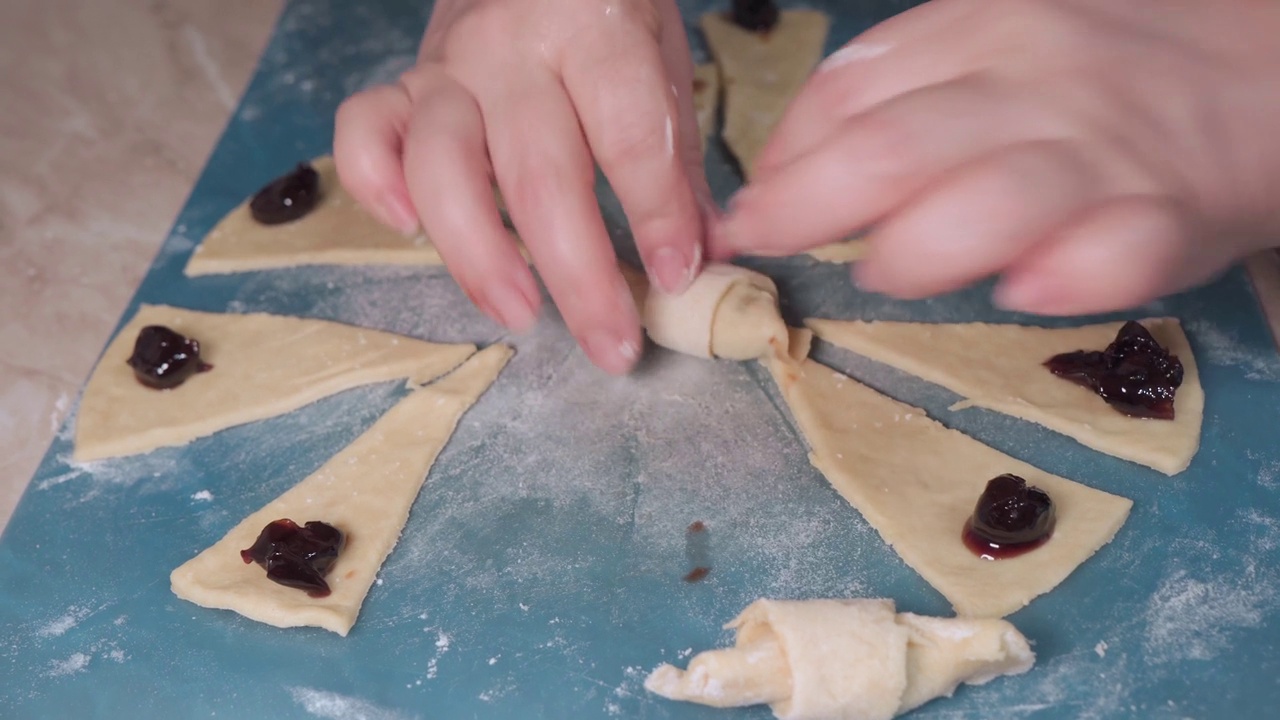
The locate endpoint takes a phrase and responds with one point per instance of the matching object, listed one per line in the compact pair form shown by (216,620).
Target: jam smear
(697,550)
(1010,518)
(163,359)
(754,15)
(288,197)
(697,574)
(297,557)
(1135,375)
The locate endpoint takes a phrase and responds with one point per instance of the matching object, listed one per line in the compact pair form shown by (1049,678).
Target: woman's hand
(1095,154)
(524,94)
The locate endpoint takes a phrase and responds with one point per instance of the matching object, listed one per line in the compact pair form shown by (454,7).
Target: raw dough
(844,660)
(729,312)
(706,98)
(916,482)
(263,365)
(337,232)
(366,491)
(999,367)
(762,73)
(844,251)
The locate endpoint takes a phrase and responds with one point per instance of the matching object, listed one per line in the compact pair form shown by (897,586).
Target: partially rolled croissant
(844,660)
(728,312)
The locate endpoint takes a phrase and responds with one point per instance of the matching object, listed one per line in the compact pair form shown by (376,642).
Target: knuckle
(885,144)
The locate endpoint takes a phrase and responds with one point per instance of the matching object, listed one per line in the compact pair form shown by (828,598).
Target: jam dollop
(1010,519)
(164,359)
(288,197)
(1135,375)
(754,15)
(297,557)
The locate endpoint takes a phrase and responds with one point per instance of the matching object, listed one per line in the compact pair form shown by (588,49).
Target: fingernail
(611,353)
(398,214)
(512,307)
(670,270)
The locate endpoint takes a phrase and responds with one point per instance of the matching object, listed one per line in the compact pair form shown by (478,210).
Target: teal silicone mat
(540,573)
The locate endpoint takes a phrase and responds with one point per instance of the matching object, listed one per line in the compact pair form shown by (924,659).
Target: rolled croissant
(728,312)
(844,660)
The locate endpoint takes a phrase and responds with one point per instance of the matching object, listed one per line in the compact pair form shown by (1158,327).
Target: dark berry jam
(697,574)
(163,359)
(1135,375)
(697,549)
(297,557)
(754,15)
(288,197)
(1009,519)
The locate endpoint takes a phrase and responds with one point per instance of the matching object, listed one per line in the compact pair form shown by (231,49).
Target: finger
(674,48)
(368,137)
(547,179)
(910,51)
(978,219)
(447,170)
(617,82)
(1117,255)
(875,163)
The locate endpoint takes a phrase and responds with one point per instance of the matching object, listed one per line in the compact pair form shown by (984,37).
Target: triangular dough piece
(263,365)
(916,482)
(843,251)
(706,98)
(336,232)
(366,491)
(999,367)
(762,72)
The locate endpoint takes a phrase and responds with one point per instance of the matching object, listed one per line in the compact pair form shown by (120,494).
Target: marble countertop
(110,108)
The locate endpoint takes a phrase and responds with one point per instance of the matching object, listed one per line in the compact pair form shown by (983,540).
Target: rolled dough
(999,367)
(366,491)
(916,482)
(728,312)
(263,365)
(337,232)
(844,660)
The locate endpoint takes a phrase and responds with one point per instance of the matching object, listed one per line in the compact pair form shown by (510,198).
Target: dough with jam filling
(263,366)
(1000,367)
(916,482)
(844,660)
(336,232)
(365,491)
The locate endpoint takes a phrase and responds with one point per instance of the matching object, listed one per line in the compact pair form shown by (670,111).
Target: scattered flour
(333,706)
(1101,649)
(442,647)
(65,622)
(202,496)
(72,665)
(1193,619)
(1219,347)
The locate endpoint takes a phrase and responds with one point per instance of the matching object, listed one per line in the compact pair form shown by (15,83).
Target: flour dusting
(1195,619)
(72,665)
(60,625)
(334,706)
(1221,347)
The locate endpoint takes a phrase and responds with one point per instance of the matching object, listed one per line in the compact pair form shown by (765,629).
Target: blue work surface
(540,574)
